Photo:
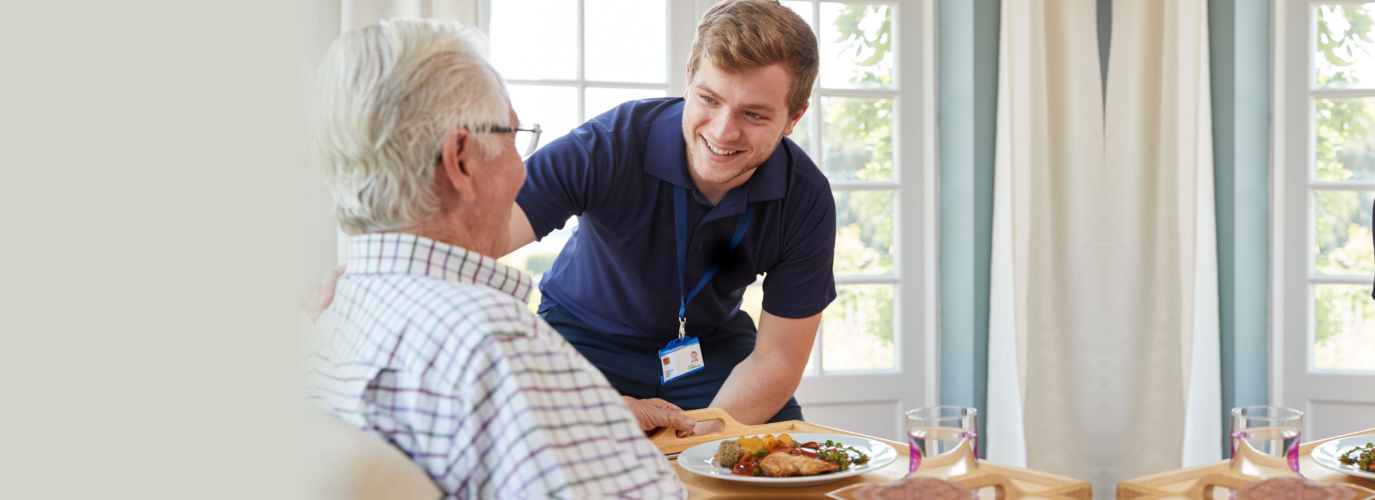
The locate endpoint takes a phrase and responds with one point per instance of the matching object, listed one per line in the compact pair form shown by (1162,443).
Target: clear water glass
(1265,441)
(944,441)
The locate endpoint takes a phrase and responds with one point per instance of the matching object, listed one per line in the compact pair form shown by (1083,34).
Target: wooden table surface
(1010,483)
(1191,482)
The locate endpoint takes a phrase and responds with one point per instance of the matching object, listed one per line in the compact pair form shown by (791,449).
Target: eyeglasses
(527,136)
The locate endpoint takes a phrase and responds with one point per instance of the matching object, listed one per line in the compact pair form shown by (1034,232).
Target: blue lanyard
(680,223)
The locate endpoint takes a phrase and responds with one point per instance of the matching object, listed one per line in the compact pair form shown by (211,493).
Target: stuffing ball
(729,453)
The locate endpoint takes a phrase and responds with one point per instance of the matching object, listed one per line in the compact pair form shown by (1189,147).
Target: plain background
(152,167)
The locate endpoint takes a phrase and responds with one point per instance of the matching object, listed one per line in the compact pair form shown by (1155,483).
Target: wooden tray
(1009,483)
(1197,482)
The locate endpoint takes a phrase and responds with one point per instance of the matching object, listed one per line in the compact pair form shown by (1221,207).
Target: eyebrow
(756,107)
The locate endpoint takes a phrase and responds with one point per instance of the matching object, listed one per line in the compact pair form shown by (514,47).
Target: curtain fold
(1159,74)
(1103,327)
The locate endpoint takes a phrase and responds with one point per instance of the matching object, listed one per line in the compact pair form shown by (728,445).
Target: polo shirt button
(699,246)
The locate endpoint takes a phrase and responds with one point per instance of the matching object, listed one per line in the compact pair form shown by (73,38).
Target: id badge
(681,357)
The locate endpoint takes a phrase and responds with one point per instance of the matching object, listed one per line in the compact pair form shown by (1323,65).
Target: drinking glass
(944,441)
(1265,441)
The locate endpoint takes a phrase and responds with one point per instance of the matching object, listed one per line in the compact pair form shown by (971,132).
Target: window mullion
(582,62)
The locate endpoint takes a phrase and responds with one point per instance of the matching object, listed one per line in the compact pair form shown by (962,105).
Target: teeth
(720,151)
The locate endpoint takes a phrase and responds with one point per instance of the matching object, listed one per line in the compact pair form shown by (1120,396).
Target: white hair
(388,93)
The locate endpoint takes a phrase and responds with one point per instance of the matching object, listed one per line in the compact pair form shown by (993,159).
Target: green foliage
(1342,44)
(537,264)
(859,142)
(866,122)
(867,50)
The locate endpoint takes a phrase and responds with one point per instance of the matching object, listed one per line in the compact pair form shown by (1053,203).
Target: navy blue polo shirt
(619,270)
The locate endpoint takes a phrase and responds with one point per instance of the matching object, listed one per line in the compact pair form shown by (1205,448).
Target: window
(565,61)
(848,132)
(1341,187)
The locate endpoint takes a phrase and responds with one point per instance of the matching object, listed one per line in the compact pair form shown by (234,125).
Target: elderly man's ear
(454,161)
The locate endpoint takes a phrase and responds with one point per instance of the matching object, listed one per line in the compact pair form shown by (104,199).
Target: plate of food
(1354,456)
(801,459)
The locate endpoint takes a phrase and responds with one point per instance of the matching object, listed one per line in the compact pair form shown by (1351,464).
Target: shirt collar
(401,253)
(666,158)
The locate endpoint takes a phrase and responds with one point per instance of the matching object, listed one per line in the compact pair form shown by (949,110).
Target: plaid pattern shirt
(431,347)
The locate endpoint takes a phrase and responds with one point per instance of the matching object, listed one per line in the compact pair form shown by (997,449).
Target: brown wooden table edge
(1139,487)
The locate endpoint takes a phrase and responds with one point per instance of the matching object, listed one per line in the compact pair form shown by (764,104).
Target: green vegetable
(758,472)
(1361,457)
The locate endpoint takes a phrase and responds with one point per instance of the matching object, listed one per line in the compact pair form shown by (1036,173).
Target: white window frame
(1294,381)
(672,85)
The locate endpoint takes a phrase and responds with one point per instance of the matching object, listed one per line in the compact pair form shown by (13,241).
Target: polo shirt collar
(666,158)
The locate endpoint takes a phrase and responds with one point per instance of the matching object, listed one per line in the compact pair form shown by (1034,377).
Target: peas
(758,472)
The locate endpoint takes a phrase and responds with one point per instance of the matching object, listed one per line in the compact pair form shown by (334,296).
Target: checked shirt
(431,348)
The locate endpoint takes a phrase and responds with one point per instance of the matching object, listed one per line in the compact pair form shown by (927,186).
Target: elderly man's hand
(318,298)
(655,413)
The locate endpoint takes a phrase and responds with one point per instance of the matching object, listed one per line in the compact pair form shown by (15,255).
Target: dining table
(1198,481)
(992,480)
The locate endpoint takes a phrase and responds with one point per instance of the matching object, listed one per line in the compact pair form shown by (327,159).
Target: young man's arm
(522,233)
(762,383)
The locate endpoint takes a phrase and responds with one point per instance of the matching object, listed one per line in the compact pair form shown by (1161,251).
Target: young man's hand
(655,413)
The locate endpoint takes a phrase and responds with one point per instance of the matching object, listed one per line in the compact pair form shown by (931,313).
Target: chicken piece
(784,465)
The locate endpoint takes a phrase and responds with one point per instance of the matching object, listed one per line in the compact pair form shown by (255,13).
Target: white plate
(701,459)
(1326,455)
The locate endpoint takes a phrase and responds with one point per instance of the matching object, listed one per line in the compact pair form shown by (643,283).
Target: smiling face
(732,123)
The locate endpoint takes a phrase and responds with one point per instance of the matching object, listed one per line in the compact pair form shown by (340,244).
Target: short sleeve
(567,177)
(802,284)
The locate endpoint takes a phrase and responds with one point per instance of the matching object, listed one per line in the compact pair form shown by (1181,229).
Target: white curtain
(1103,328)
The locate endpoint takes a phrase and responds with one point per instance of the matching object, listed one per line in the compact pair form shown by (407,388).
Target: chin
(719,173)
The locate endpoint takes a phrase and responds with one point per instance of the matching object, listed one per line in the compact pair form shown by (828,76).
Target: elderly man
(428,343)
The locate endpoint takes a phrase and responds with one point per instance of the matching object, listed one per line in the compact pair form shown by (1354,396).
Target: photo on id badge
(681,361)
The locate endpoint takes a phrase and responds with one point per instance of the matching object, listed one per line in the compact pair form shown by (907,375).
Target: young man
(683,202)
(429,344)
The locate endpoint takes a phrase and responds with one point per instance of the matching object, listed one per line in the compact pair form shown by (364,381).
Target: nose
(725,127)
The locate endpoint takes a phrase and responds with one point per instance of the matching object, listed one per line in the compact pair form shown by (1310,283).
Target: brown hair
(741,35)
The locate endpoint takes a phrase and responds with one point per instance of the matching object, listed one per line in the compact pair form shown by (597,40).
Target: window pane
(555,109)
(803,9)
(864,232)
(536,258)
(1345,41)
(802,133)
(535,39)
(857,329)
(599,100)
(753,303)
(626,40)
(1344,330)
(857,138)
(1342,233)
(1345,145)
(856,46)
